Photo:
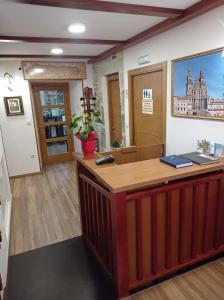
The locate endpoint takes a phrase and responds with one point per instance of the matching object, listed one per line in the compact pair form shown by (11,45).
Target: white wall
(75,90)
(100,72)
(201,34)
(18,131)
(89,80)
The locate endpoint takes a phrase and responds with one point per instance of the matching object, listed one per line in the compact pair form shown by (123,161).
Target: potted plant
(84,129)
(115,144)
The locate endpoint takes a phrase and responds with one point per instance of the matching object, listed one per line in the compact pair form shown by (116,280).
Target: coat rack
(88,100)
(89,106)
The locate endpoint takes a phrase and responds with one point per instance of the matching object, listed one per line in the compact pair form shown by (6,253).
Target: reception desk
(144,220)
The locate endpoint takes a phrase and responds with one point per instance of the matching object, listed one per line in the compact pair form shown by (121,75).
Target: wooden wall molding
(32,39)
(54,70)
(175,17)
(124,8)
(47,56)
(190,13)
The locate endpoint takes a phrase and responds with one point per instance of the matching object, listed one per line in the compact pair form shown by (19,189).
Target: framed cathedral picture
(14,106)
(198,86)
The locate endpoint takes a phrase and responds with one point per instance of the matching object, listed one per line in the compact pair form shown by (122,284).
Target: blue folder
(176,161)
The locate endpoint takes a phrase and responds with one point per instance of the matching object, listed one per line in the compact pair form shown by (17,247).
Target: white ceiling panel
(43,21)
(31,20)
(180,4)
(45,49)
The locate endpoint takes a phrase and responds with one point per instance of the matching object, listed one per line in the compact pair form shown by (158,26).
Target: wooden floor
(45,208)
(204,283)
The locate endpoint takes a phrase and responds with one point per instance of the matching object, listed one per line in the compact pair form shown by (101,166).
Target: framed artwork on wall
(14,106)
(198,86)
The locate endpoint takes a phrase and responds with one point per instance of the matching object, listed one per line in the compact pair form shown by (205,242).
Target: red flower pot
(88,146)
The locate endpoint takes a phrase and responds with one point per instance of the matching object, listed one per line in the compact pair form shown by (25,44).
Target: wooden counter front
(141,229)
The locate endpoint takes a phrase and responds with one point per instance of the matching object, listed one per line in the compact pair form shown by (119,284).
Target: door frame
(109,108)
(139,71)
(33,85)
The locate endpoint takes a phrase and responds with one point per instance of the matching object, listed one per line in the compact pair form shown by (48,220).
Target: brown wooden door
(148,125)
(54,116)
(114,108)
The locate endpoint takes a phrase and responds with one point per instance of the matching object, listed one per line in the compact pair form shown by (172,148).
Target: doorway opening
(53,114)
(147,105)
(114,108)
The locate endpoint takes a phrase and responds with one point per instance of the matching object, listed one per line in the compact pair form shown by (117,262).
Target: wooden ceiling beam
(32,39)
(47,56)
(105,6)
(193,11)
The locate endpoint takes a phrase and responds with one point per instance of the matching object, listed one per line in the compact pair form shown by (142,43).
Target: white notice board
(147,102)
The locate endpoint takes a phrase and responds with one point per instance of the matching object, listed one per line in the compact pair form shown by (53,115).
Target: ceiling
(181,4)
(34,20)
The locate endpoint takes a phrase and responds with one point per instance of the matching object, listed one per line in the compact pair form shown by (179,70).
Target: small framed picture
(14,106)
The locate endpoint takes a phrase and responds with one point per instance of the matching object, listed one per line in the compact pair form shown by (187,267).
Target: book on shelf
(176,161)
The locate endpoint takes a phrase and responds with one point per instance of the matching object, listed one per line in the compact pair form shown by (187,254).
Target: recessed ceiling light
(56,51)
(77,28)
(9,41)
(38,70)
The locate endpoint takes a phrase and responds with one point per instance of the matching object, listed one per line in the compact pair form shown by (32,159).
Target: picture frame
(14,106)
(198,86)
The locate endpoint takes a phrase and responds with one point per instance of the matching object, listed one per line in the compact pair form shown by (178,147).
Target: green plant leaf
(84,135)
(85,123)
(98,120)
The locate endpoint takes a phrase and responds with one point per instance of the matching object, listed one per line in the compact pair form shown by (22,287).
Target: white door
(5,214)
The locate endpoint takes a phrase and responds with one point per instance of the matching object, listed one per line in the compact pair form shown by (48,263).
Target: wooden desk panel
(140,235)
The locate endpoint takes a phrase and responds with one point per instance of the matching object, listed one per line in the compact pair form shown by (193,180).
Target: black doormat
(62,271)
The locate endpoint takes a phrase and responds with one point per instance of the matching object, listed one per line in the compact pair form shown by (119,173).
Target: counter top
(131,176)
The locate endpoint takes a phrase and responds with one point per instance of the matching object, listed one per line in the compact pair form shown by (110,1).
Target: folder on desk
(200,158)
(176,161)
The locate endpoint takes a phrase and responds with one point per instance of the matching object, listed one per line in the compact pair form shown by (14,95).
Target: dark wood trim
(120,243)
(110,52)
(32,39)
(148,69)
(178,18)
(47,56)
(154,234)
(164,208)
(124,8)
(139,238)
(169,227)
(190,13)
